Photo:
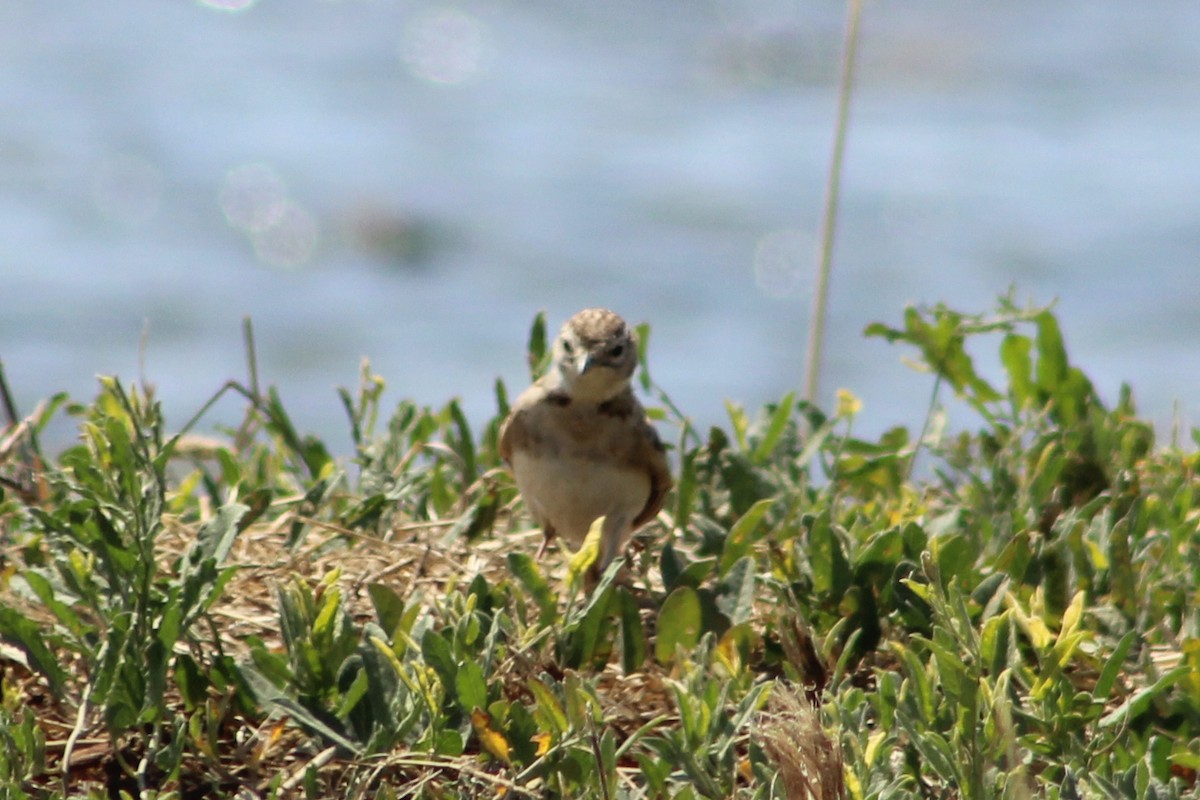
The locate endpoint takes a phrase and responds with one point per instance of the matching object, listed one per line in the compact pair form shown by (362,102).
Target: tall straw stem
(816,332)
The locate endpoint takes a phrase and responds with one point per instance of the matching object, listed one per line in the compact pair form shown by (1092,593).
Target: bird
(579,444)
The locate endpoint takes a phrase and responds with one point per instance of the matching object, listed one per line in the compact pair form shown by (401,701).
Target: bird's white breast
(569,493)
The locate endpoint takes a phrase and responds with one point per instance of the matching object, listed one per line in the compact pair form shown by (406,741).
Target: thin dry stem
(816,332)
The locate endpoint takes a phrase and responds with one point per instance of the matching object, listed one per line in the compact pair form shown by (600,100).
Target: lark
(578,441)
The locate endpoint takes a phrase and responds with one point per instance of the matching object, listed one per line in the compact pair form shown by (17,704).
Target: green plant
(22,753)
(115,605)
(1015,617)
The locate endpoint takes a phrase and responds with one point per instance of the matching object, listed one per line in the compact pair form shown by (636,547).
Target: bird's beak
(586,364)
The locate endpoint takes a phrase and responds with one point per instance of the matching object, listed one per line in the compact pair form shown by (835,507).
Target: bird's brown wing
(507,434)
(655,457)
(514,432)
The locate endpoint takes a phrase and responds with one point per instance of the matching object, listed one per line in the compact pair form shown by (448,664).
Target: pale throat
(596,385)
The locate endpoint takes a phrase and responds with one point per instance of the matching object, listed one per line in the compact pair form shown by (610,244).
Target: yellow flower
(847,404)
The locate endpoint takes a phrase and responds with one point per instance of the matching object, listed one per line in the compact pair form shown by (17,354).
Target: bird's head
(595,355)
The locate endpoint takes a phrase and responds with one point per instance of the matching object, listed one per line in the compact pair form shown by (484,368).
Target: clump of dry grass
(808,760)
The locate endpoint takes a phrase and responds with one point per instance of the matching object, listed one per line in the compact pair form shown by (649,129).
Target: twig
(254,413)
(933,396)
(816,332)
(251,356)
(319,760)
(595,741)
(143,345)
(147,759)
(20,437)
(13,437)
(464,769)
(10,408)
(85,705)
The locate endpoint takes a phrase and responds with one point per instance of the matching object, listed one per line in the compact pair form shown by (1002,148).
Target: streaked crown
(598,341)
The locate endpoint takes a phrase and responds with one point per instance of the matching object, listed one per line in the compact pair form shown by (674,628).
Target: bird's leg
(548,535)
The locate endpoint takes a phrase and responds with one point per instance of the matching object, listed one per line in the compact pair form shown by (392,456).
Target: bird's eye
(566,347)
(616,350)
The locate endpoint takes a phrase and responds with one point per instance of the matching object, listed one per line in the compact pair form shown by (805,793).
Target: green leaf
(778,424)
(742,535)
(470,687)
(327,624)
(1113,666)
(62,612)
(280,423)
(463,443)
(269,666)
(1139,701)
(678,624)
(587,625)
(215,537)
(547,706)
(995,642)
(449,743)
(478,520)
(582,705)
(671,565)
(389,606)
(353,693)
(437,654)
(815,441)
(739,422)
(1014,354)
(686,487)
(955,556)
(268,694)
(201,579)
(936,751)
(48,410)
(643,343)
(320,725)
(1074,396)
(1052,356)
(502,405)
(537,354)
(883,550)
(697,572)
(525,569)
(737,591)
(919,691)
(830,569)
(30,638)
(746,483)
(170,626)
(190,680)
(882,331)
(633,638)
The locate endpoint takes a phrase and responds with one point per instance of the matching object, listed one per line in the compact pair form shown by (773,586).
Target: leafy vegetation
(1006,612)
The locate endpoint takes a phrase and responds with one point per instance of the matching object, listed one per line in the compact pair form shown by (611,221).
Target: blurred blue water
(412,181)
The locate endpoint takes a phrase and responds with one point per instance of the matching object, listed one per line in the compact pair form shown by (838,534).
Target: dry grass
(809,762)
(256,752)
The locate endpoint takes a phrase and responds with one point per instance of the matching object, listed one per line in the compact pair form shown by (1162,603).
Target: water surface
(412,181)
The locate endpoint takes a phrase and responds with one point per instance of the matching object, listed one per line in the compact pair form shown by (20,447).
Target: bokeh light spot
(289,241)
(127,189)
(232,6)
(255,200)
(253,197)
(782,260)
(445,46)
